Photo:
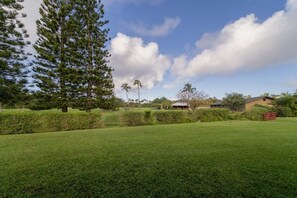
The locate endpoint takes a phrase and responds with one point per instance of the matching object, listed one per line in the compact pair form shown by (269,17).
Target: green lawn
(222,159)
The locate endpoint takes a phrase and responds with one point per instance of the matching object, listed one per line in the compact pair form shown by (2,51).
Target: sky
(219,47)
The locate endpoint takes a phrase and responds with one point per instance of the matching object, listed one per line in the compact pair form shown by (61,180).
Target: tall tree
(125,87)
(94,84)
(139,85)
(12,55)
(186,92)
(193,97)
(235,101)
(54,56)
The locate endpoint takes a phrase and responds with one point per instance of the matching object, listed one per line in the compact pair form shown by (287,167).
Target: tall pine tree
(94,84)
(12,55)
(54,57)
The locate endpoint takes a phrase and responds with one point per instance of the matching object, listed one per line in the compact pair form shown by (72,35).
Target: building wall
(250,105)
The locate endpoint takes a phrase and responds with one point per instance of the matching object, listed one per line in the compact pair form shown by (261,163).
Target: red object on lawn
(269,116)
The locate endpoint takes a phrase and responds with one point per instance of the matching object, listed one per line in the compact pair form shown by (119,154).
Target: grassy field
(222,159)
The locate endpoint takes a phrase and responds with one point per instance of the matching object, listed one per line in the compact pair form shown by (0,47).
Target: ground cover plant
(218,159)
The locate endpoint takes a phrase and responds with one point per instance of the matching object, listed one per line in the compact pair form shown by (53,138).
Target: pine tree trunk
(1,109)
(90,63)
(127,99)
(138,97)
(62,65)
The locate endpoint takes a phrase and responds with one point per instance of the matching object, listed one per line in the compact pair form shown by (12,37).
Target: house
(217,104)
(263,101)
(180,105)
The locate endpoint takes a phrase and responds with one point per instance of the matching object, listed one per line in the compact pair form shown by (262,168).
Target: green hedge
(18,123)
(212,115)
(256,114)
(172,117)
(30,122)
(284,112)
(53,121)
(133,118)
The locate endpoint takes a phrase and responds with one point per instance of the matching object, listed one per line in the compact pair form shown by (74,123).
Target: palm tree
(139,85)
(188,89)
(125,87)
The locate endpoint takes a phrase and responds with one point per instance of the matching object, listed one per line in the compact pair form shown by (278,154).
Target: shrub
(282,111)
(148,117)
(18,122)
(57,121)
(256,114)
(45,121)
(172,117)
(211,115)
(133,118)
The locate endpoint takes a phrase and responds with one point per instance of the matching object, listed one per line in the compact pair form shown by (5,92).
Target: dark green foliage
(172,117)
(133,118)
(53,66)
(12,55)
(234,101)
(282,111)
(148,117)
(211,115)
(256,114)
(55,121)
(47,121)
(71,67)
(19,122)
(286,105)
(92,78)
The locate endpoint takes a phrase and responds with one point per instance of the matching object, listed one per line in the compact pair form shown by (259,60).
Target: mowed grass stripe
(225,159)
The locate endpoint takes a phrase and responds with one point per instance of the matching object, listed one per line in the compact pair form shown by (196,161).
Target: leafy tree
(286,105)
(234,101)
(139,85)
(53,60)
(193,97)
(186,92)
(93,83)
(125,87)
(166,104)
(198,99)
(12,54)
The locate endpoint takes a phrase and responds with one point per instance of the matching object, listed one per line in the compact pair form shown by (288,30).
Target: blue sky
(218,46)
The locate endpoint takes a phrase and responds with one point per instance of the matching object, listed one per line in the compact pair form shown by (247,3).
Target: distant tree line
(70,68)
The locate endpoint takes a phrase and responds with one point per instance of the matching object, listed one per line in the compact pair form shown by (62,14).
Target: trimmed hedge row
(30,122)
(256,114)
(172,117)
(18,123)
(138,118)
(212,115)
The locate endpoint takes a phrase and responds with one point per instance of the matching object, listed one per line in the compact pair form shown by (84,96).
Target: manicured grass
(222,159)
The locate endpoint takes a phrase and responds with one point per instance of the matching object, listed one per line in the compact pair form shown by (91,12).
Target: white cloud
(244,44)
(156,30)
(119,2)
(32,11)
(132,59)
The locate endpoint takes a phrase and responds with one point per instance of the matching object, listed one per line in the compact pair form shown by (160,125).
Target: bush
(18,122)
(57,121)
(134,118)
(282,111)
(256,114)
(211,115)
(172,117)
(148,117)
(30,122)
